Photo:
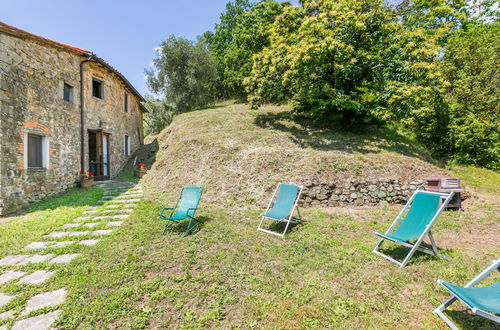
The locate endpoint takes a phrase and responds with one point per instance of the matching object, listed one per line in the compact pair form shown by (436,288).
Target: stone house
(62,110)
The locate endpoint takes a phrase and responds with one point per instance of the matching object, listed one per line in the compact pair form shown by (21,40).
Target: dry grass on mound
(238,155)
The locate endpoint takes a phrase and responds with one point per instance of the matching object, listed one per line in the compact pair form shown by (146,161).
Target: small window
(127,145)
(68,93)
(97,88)
(35,151)
(125,98)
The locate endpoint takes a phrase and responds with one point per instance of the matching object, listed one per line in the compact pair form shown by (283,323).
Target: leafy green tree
(242,32)
(471,69)
(357,61)
(331,58)
(183,72)
(159,115)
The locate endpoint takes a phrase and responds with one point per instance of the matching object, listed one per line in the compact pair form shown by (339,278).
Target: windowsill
(69,102)
(36,169)
(98,98)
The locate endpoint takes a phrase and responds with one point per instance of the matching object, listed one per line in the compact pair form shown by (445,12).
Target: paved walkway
(119,200)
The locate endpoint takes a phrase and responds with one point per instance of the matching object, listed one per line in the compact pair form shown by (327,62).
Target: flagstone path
(41,310)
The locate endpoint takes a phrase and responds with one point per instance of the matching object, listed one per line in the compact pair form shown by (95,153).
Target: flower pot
(86,183)
(139,174)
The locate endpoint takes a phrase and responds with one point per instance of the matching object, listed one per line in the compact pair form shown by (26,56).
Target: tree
(330,57)
(184,73)
(242,32)
(159,115)
(356,61)
(471,68)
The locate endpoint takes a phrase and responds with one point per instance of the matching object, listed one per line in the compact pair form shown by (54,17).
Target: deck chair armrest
(166,208)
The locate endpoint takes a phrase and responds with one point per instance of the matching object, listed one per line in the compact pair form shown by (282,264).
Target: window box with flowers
(140,170)
(86,179)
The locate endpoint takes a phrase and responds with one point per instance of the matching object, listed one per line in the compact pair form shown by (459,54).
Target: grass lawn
(228,275)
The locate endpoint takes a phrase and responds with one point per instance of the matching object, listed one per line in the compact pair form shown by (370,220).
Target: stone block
(61,244)
(88,242)
(47,299)
(5,299)
(10,276)
(12,260)
(6,315)
(102,232)
(36,258)
(37,245)
(115,223)
(64,258)
(36,277)
(40,322)
(91,224)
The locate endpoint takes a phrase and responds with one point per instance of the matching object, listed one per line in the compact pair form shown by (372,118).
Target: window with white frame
(127,145)
(36,154)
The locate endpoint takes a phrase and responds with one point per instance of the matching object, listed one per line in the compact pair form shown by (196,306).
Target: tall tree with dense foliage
(183,72)
(471,69)
(242,32)
(417,84)
(331,58)
(354,61)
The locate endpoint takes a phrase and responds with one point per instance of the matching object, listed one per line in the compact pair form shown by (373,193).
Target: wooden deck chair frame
(290,219)
(445,199)
(439,311)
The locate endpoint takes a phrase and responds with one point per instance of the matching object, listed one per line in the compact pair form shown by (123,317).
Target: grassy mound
(238,155)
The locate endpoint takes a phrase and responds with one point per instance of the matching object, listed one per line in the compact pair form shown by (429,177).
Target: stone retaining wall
(369,192)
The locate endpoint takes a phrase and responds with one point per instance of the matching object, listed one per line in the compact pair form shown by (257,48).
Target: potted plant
(86,179)
(140,170)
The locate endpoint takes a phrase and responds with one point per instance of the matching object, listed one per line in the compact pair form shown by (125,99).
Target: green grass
(228,275)
(45,216)
(251,150)
(30,226)
(481,178)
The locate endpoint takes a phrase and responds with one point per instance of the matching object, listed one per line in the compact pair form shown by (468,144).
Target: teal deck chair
(484,301)
(283,207)
(424,207)
(184,209)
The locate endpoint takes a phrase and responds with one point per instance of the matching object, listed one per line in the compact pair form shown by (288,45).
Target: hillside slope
(238,155)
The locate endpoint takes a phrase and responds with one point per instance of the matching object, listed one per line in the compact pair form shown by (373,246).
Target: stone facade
(364,192)
(33,72)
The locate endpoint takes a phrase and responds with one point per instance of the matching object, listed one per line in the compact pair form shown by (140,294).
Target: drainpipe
(82,114)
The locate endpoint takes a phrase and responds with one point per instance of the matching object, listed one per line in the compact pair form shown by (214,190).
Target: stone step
(10,276)
(37,277)
(39,322)
(43,300)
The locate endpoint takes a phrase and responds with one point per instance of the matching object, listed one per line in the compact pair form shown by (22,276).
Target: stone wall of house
(109,115)
(363,192)
(31,80)
(32,77)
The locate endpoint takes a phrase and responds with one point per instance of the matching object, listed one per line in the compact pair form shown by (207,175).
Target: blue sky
(123,32)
